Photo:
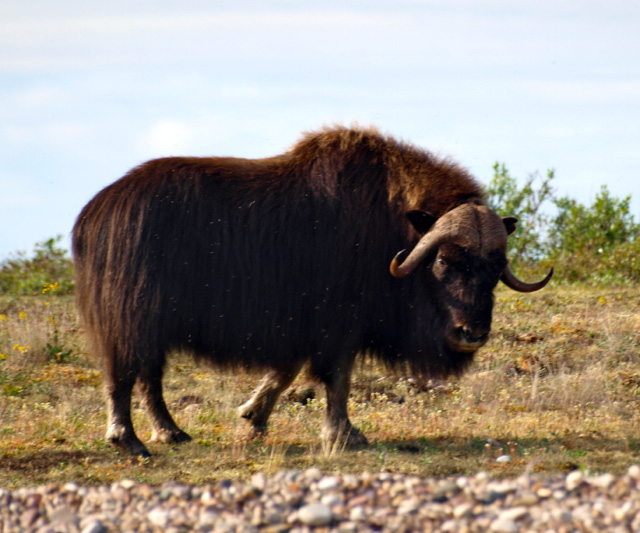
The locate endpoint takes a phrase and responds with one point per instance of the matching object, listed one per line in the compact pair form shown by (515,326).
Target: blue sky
(90,89)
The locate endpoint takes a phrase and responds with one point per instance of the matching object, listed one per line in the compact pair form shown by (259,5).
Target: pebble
(301,501)
(328,483)
(574,480)
(315,515)
(504,526)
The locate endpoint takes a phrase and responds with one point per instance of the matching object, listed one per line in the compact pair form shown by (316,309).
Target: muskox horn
(458,222)
(420,251)
(510,280)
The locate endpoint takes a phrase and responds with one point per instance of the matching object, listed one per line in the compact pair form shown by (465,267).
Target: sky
(89,90)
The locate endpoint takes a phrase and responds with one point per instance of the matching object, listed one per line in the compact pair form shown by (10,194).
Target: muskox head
(465,254)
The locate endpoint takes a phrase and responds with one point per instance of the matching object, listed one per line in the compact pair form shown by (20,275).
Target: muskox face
(464,284)
(465,253)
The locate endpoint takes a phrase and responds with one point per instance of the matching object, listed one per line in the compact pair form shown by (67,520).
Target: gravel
(312,501)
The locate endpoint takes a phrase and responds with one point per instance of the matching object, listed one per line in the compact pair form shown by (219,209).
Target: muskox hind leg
(337,429)
(258,409)
(164,428)
(120,433)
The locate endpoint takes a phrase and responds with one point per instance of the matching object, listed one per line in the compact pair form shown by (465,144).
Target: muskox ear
(421,221)
(510,224)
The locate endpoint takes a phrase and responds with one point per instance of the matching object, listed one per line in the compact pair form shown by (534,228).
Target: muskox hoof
(258,426)
(126,442)
(338,439)
(257,432)
(167,436)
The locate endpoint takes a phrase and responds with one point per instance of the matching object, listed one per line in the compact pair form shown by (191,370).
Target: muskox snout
(466,338)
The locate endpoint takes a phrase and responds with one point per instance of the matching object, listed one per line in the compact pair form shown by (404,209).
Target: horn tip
(395,266)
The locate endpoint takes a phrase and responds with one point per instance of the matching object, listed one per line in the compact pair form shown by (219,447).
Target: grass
(557,388)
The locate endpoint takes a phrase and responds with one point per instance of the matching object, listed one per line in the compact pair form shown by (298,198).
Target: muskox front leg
(259,407)
(164,428)
(337,428)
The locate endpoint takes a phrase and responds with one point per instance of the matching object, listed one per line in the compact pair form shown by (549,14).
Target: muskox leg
(120,433)
(258,409)
(164,428)
(337,428)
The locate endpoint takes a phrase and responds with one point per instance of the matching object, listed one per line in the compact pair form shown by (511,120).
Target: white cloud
(56,134)
(167,137)
(581,92)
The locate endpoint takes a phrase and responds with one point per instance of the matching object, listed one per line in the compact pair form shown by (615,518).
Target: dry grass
(558,387)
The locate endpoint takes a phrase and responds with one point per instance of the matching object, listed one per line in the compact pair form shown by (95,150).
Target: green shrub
(507,198)
(49,268)
(598,242)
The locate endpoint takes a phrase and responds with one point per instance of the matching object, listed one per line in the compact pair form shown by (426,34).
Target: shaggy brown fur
(272,264)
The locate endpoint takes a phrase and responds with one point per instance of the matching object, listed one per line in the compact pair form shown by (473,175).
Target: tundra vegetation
(556,388)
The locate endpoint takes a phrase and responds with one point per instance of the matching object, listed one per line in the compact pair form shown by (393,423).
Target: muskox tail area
(113,285)
(117,306)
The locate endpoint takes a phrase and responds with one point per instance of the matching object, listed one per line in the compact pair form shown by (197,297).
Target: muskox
(285,262)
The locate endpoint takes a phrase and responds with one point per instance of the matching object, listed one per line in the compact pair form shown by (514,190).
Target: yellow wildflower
(21,349)
(50,287)
(22,315)
(2,357)
(3,317)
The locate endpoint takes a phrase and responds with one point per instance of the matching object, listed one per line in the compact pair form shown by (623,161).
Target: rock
(504,526)
(328,483)
(63,515)
(463,510)
(634,472)
(603,481)
(525,498)
(513,514)
(259,481)
(574,480)
(408,506)
(313,474)
(159,517)
(544,492)
(28,518)
(357,514)
(315,515)
(95,526)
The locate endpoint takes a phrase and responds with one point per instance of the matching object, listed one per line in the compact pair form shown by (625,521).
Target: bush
(50,267)
(507,198)
(597,243)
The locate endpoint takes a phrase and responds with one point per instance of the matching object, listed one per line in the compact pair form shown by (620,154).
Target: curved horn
(417,255)
(510,280)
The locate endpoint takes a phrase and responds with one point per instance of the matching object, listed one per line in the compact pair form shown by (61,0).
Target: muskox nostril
(473,335)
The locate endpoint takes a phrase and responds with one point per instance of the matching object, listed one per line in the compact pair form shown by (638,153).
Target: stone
(513,514)
(574,480)
(95,526)
(259,481)
(159,517)
(357,514)
(328,483)
(315,514)
(504,526)
(634,472)
(463,510)
(603,481)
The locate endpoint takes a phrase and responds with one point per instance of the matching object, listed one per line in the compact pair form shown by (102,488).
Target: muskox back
(244,261)
(261,264)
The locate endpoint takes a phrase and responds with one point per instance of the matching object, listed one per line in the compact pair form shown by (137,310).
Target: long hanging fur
(253,263)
